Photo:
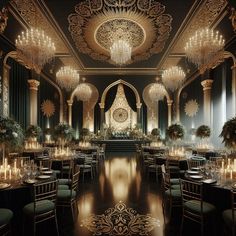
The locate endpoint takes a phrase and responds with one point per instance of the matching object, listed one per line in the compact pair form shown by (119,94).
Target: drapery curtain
(19,93)
(97,118)
(130,96)
(110,97)
(77,115)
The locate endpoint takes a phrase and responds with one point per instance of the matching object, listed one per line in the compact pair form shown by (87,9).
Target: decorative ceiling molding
(34,17)
(107,71)
(94,25)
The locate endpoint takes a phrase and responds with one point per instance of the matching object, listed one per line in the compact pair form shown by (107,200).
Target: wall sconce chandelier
(157,92)
(35,49)
(173,78)
(67,78)
(83,92)
(205,48)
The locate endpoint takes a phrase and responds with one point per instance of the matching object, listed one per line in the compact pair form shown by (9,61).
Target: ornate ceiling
(83,30)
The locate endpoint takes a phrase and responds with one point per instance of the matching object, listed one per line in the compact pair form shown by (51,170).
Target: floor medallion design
(120,220)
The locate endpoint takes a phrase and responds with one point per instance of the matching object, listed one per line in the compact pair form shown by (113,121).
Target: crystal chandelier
(205,48)
(83,92)
(156,92)
(67,78)
(35,48)
(120,52)
(173,78)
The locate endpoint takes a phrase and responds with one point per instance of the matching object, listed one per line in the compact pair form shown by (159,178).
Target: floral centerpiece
(11,133)
(33,132)
(63,133)
(175,132)
(228,133)
(203,131)
(85,134)
(156,133)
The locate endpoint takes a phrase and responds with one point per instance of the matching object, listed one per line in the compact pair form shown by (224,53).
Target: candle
(10,174)
(223,164)
(5,162)
(5,173)
(234,164)
(21,163)
(231,174)
(228,162)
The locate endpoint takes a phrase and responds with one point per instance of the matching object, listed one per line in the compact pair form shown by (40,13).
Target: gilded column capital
(207,84)
(169,102)
(69,102)
(138,105)
(102,105)
(33,84)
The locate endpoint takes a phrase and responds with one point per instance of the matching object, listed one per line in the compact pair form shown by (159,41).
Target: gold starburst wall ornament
(48,108)
(191,108)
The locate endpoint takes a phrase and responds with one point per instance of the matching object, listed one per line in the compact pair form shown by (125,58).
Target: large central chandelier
(156,92)
(120,52)
(67,78)
(173,78)
(205,48)
(35,48)
(83,92)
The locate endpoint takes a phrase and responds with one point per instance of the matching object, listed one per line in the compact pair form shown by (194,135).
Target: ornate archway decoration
(120,81)
(95,24)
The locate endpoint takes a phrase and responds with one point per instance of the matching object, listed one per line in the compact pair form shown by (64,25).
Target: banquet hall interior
(118,117)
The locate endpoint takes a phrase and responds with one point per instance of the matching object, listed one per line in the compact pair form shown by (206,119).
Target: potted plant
(228,134)
(175,132)
(203,131)
(11,134)
(33,132)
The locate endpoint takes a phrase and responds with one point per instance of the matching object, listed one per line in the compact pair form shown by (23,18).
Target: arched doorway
(105,93)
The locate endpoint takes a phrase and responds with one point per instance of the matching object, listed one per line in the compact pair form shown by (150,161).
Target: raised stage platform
(120,145)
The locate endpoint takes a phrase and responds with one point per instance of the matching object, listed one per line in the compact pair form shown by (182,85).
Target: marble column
(33,86)
(102,113)
(233,68)
(169,104)
(138,105)
(70,103)
(207,85)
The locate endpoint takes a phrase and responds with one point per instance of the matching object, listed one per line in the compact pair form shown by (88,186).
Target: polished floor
(121,200)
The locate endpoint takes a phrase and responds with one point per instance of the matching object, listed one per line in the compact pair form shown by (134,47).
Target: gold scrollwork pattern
(94,25)
(120,220)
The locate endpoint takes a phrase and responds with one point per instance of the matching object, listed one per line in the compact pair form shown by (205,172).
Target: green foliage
(156,132)
(33,131)
(228,133)
(63,131)
(203,131)
(175,131)
(11,133)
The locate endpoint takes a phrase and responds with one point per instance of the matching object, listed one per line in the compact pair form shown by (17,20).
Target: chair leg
(72,212)
(57,230)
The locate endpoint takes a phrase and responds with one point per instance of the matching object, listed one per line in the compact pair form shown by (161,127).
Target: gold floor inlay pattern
(120,220)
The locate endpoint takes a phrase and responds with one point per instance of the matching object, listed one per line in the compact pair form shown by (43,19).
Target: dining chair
(87,165)
(169,195)
(193,163)
(175,182)
(43,206)
(66,167)
(194,208)
(68,198)
(6,216)
(45,164)
(229,215)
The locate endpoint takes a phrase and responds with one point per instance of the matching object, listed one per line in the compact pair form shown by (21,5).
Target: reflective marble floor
(120,195)
(121,200)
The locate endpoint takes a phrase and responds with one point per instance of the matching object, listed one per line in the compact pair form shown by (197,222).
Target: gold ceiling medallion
(143,24)
(120,220)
